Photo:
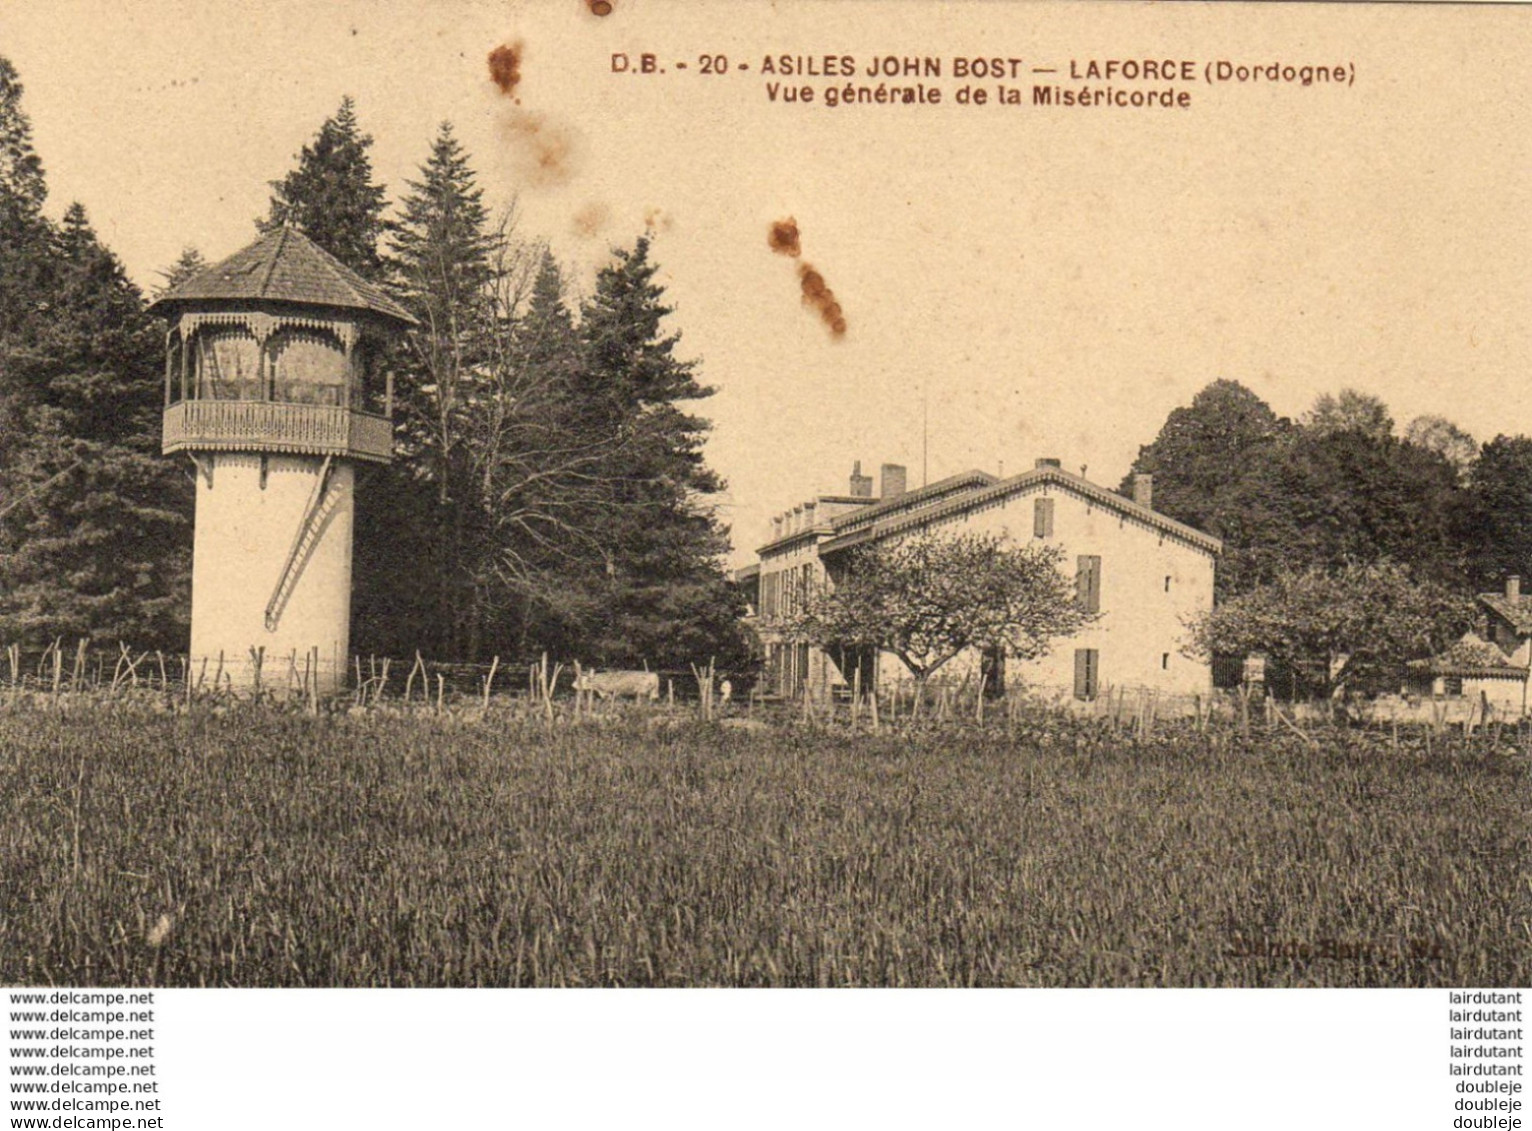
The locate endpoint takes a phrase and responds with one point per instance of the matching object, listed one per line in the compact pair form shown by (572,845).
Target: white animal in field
(615,684)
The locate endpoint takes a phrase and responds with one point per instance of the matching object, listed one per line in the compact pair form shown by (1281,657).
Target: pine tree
(419,528)
(26,238)
(331,198)
(22,184)
(188,264)
(664,596)
(442,247)
(95,538)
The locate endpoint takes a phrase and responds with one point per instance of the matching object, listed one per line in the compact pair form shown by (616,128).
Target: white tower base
(250,512)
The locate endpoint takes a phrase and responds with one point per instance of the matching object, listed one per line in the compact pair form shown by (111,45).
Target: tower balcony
(276,426)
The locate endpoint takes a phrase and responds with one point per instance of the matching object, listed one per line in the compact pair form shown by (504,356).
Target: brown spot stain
(589,221)
(505,67)
(544,150)
(658,220)
(599,7)
(816,293)
(783,238)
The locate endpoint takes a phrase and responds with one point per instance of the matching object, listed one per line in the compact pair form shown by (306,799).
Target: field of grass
(268,849)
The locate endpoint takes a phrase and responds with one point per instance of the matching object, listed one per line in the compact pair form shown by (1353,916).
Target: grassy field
(269,849)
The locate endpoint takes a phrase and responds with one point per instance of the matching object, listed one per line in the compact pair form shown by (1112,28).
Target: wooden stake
(377,692)
(489,680)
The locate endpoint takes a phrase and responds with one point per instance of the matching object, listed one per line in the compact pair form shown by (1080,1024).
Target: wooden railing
(267,426)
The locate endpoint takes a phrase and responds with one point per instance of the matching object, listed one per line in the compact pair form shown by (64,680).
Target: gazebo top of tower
(284,266)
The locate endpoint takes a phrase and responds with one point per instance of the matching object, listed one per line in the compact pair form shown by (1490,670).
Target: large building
(1145,574)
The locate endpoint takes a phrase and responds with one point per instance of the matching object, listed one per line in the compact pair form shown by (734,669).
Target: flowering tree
(1355,620)
(927,598)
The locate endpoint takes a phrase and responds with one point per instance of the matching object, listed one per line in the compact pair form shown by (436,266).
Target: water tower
(275,387)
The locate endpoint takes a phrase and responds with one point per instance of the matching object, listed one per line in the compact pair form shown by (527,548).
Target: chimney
(1513,588)
(1042,463)
(893,481)
(808,515)
(1143,490)
(861,485)
(776,527)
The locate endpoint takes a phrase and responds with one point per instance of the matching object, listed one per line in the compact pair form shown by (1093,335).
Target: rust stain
(544,148)
(589,221)
(600,7)
(818,295)
(505,67)
(783,238)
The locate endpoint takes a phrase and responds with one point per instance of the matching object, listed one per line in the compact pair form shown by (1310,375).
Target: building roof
(1517,613)
(994,491)
(1472,657)
(285,266)
(869,510)
(1442,665)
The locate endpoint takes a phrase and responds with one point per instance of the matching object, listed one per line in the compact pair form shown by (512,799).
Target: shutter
(1088,582)
(1082,673)
(1042,518)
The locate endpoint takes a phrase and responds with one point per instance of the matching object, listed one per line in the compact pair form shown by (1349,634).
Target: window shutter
(1042,518)
(1088,582)
(1085,673)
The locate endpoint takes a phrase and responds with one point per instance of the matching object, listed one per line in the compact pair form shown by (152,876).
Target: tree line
(548,491)
(1350,549)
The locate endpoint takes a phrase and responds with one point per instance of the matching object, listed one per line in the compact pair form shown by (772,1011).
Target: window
(308,367)
(1087,673)
(227,364)
(1042,518)
(1088,583)
(1167,583)
(1164,661)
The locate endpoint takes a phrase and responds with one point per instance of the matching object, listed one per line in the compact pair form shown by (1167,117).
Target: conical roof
(284,266)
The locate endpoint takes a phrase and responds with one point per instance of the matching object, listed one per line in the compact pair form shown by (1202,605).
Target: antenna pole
(925,432)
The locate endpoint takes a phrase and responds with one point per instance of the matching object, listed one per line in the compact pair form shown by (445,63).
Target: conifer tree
(419,529)
(188,264)
(95,540)
(25,236)
(664,597)
(22,185)
(331,198)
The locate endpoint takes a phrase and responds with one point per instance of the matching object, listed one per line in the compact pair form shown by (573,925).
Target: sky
(1016,281)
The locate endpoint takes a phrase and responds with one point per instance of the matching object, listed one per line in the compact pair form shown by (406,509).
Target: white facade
(1152,577)
(247,523)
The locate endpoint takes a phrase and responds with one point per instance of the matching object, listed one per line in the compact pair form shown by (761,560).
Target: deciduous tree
(1353,622)
(928,598)
(1497,522)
